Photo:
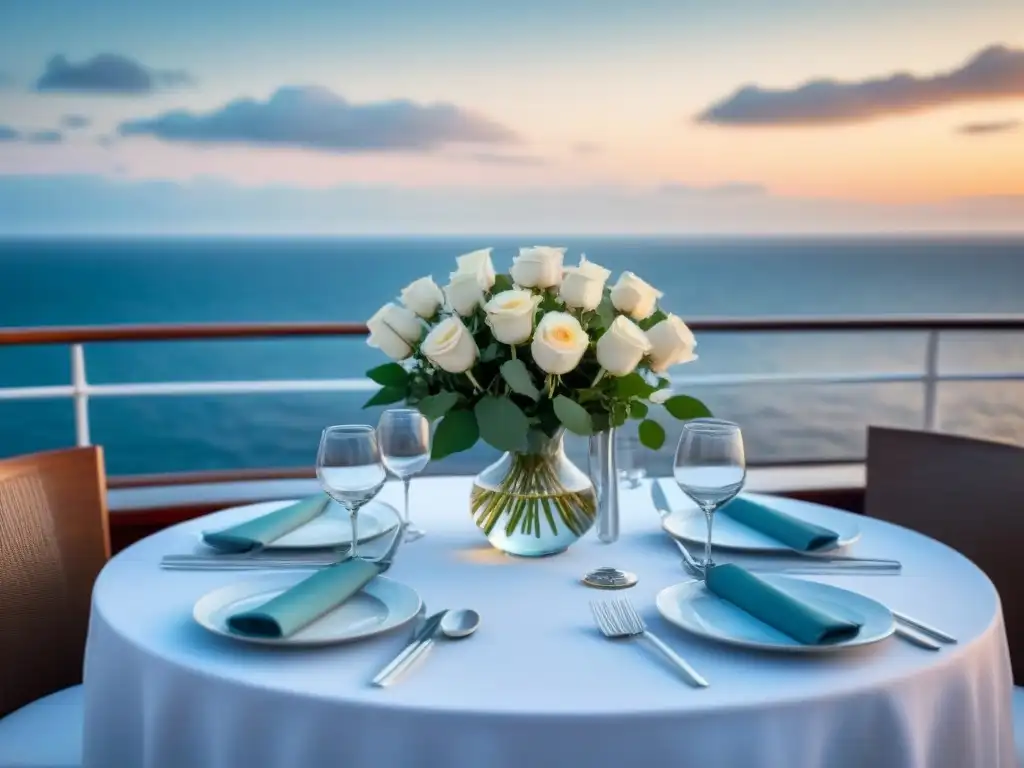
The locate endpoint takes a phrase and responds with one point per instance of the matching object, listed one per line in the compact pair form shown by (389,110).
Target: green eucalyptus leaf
(386,396)
(573,415)
(501,283)
(633,385)
(517,376)
(606,312)
(638,409)
(490,353)
(649,322)
(502,423)
(458,431)
(651,434)
(389,375)
(436,406)
(685,407)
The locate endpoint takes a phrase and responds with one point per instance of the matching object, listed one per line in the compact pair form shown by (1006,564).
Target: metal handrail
(80,391)
(195,331)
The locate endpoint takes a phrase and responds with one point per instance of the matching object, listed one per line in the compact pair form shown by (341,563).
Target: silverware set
(454,625)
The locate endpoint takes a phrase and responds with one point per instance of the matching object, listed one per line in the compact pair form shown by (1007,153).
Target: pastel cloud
(497,158)
(9,134)
(315,118)
(997,72)
(993,126)
(75,121)
(107,73)
(45,137)
(729,189)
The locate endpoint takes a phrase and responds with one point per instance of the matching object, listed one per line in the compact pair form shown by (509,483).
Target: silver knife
(425,633)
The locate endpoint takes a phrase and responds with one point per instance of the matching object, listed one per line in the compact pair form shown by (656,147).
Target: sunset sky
(739,116)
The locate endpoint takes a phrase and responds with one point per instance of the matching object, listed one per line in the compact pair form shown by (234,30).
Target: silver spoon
(455,625)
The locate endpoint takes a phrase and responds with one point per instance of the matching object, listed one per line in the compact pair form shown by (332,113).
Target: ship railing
(80,391)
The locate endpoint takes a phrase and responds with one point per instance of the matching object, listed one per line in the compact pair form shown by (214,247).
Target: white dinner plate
(333,528)
(380,606)
(689,525)
(691,606)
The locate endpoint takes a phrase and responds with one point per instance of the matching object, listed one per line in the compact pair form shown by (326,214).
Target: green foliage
(389,375)
(638,409)
(501,423)
(633,385)
(386,396)
(651,434)
(458,431)
(684,407)
(501,283)
(573,415)
(436,406)
(517,376)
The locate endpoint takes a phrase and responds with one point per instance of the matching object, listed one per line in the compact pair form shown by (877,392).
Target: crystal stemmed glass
(349,468)
(710,468)
(404,435)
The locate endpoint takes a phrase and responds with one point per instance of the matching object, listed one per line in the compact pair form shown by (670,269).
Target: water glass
(710,468)
(350,470)
(404,435)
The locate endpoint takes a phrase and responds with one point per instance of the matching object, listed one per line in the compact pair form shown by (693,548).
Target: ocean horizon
(96,279)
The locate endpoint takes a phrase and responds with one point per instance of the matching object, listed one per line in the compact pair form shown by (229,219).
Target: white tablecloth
(537,685)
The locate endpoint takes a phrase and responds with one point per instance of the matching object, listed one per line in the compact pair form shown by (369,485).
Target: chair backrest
(54,539)
(966,493)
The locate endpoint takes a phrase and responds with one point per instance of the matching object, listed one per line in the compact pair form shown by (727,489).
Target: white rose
(393,329)
(450,346)
(538,267)
(559,343)
(672,342)
(634,297)
(510,316)
(479,263)
(423,297)
(464,292)
(622,346)
(583,286)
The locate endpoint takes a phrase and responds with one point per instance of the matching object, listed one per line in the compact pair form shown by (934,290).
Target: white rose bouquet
(514,358)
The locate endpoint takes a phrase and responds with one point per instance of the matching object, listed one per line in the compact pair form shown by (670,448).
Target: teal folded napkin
(792,532)
(258,533)
(778,609)
(306,602)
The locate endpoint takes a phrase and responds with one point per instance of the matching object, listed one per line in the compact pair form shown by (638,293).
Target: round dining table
(538,685)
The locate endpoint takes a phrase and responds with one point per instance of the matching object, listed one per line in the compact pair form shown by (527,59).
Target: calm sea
(93,281)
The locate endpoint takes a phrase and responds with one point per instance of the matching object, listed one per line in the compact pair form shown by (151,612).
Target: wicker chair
(54,539)
(944,486)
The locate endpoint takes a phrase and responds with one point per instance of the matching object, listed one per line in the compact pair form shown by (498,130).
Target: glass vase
(534,503)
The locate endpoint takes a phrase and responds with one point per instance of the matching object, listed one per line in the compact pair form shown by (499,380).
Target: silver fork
(618,619)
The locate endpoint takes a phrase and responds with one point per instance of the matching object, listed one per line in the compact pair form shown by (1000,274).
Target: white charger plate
(380,606)
(693,607)
(333,528)
(690,526)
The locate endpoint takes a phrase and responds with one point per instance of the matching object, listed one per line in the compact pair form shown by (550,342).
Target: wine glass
(404,435)
(710,468)
(349,468)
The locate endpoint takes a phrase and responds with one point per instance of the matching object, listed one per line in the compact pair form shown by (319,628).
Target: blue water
(93,281)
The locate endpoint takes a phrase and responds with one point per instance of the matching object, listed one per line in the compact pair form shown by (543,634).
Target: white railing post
(80,393)
(931,381)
